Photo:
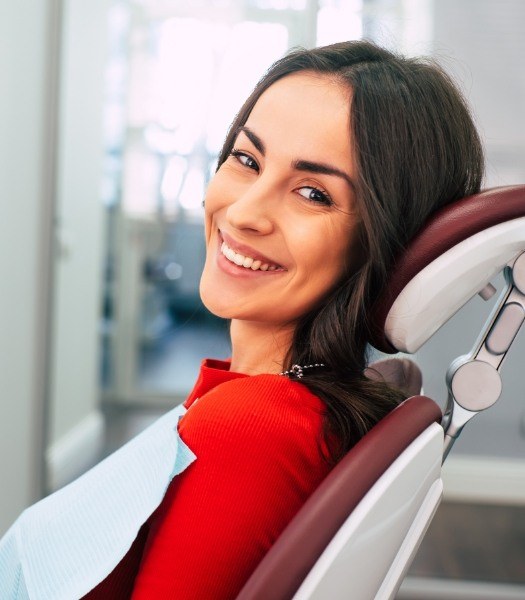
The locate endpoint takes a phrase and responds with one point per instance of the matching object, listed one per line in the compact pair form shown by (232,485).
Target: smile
(246,261)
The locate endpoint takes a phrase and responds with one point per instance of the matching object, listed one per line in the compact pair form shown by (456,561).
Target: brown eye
(245,159)
(315,195)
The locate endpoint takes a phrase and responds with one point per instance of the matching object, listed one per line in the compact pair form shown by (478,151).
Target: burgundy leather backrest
(290,559)
(446,228)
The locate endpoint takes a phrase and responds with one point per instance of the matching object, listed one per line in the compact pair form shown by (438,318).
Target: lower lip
(232,269)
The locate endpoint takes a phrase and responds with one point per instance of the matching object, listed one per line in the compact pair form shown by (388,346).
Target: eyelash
(324,199)
(239,153)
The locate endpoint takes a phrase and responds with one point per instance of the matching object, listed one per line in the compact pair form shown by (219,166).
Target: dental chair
(357,534)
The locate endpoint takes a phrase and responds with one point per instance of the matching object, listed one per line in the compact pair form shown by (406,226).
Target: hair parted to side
(416,149)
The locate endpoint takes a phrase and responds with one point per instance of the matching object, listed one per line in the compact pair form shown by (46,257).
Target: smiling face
(281,222)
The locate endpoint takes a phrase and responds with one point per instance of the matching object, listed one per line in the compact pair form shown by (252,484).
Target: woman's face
(281,223)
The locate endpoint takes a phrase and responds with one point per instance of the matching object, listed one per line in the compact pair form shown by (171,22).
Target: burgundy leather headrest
(446,228)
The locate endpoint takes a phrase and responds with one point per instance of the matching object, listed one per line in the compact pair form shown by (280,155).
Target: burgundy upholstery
(290,559)
(446,228)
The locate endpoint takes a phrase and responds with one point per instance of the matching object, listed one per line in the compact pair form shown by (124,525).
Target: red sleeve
(257,446)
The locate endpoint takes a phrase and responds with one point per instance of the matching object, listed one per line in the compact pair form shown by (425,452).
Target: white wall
(28,50)
(482,43)
(76,425)
(52,61)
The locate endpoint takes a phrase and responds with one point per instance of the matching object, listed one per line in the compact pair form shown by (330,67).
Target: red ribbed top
(257,443)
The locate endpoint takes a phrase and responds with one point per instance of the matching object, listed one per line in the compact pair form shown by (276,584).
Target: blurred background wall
(112,113)
(28,110)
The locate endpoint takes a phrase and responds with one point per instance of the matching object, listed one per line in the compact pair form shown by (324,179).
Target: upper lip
(246,250)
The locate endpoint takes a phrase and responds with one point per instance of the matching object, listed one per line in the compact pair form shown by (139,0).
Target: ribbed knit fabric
(257,443)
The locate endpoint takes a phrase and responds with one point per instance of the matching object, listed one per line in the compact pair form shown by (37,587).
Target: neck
(258,347)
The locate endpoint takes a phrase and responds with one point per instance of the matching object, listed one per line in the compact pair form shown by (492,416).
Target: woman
(332,164)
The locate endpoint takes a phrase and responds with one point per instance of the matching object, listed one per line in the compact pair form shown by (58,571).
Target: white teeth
(245,261)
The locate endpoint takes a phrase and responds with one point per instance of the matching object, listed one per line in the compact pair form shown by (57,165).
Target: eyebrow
(253,137)
(299,164)
(314,167)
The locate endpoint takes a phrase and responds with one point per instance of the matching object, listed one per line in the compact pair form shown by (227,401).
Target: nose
(251,208)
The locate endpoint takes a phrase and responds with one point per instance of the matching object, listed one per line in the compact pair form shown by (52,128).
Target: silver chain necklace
(297,370)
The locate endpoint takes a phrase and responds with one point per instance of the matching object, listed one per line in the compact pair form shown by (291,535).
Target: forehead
(307,111)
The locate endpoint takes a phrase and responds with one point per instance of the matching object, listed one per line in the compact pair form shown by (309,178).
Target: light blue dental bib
(63,546)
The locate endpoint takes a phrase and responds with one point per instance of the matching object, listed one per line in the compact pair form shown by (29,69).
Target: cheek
(221,191)
(213,191)
(212,202)
(327,254)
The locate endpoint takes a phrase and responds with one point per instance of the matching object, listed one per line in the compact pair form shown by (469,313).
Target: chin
(212,301)
(218,311)
(222,310)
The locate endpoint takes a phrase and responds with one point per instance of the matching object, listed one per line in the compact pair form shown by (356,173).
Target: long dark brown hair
(416,149)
